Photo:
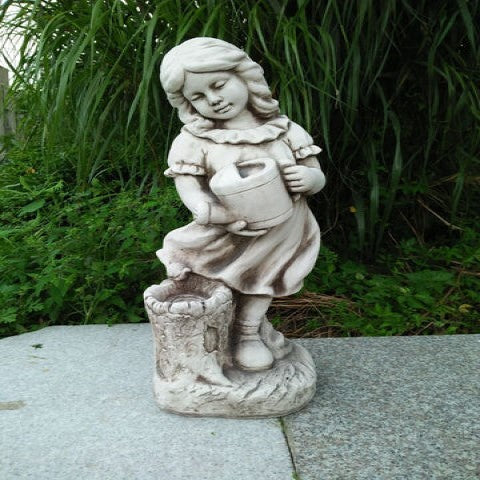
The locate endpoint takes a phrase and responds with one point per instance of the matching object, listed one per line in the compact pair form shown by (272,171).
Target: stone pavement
(77,403)
(403,408)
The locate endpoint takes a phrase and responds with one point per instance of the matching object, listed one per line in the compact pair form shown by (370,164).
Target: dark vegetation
(390,89)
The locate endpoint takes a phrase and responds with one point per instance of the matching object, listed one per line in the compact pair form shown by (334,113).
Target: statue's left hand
(302,179)
(238,229)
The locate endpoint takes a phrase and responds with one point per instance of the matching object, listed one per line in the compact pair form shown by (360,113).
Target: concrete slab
(391,408)
(77,403)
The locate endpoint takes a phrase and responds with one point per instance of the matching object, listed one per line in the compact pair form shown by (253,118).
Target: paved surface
(82,408)
(405,408)
(76,403)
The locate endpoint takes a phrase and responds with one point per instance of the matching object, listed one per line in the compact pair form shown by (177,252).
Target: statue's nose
(214,99)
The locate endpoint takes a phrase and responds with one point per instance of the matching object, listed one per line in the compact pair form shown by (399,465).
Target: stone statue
(243,170)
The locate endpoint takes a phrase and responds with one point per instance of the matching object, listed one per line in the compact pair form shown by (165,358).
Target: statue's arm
(197,197)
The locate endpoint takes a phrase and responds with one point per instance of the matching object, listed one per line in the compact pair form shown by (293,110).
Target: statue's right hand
(209,213)
(215,214)
(201,214)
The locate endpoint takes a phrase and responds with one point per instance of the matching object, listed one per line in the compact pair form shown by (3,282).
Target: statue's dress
(273,264)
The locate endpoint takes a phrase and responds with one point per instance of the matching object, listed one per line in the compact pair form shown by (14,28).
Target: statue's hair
(205,54)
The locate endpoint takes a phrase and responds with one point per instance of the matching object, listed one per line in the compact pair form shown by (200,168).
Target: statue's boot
(250,352)
(275,341)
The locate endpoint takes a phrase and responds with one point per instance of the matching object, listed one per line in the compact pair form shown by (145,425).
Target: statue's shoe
(252,354)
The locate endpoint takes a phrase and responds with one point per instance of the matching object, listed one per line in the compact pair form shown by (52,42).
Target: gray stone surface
(391,408)
(82,407)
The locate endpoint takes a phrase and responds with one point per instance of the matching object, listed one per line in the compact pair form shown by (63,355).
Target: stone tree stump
(194,337)
(191,322)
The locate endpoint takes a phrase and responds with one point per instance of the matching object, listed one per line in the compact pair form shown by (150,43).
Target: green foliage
(76,257)
(85,256)
(419,291)
(391,89)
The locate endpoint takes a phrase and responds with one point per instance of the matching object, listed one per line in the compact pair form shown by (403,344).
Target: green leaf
(9,315)
(32,207)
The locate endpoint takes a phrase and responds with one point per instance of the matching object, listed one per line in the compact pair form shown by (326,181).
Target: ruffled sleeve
(186,157)
(300,142)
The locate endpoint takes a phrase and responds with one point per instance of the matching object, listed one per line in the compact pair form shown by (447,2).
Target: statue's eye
(196,96)
(219,84)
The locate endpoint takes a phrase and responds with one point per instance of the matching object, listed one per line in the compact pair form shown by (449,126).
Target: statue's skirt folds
(273,264)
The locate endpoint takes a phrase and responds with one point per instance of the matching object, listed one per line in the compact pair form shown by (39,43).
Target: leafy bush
(420,291)
(390,89)
(77,257)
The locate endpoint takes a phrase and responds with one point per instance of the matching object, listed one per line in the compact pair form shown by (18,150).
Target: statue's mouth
(223,109)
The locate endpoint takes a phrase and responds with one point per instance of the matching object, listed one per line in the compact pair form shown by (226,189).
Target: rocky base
(192,322)
(285,388)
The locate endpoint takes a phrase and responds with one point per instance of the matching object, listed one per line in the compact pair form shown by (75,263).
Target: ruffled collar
(267,132)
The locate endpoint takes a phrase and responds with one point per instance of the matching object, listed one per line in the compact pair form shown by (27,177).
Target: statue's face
(216,95)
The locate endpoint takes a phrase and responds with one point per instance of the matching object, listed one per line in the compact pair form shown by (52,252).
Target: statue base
(287,387)
(192,322)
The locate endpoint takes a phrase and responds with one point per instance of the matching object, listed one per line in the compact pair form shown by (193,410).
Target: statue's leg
(250,351)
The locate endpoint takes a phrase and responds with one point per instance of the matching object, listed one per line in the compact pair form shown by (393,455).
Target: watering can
(255,190)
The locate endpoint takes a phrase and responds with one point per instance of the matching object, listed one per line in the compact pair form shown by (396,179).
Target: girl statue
(230,118)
